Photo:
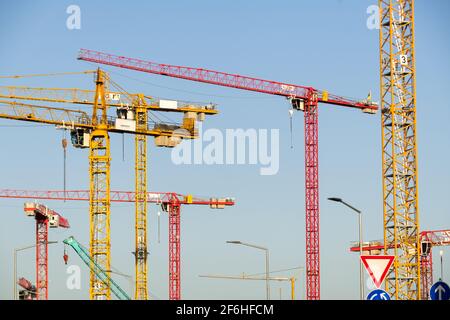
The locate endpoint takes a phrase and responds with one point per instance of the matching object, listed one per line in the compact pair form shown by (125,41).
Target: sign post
(440,291)
(377,267)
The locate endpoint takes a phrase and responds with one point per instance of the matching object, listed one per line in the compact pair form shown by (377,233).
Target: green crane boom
(100,273)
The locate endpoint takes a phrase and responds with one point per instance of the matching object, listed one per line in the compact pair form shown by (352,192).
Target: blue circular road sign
(440,291)
(378,294)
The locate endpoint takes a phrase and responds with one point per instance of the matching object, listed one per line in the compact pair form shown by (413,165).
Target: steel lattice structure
(312,200)
(141,253)
(99,193)
(430,239)
(399,159)
(41,258)
(426,274)
(44,217)
(99,209)
(174,250)
(302,98)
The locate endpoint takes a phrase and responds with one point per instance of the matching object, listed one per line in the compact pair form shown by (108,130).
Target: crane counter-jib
(71,119)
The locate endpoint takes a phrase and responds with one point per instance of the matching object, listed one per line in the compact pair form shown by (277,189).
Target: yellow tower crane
(399,157)
(132,110)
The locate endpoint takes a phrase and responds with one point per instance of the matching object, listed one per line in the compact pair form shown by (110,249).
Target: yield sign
(377,267)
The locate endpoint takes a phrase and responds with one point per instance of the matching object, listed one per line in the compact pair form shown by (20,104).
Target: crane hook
(65,256)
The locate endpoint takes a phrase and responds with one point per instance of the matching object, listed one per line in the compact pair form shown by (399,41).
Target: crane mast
(399,155)
(173,210)
(99,194)
(44,217)
(430,239)
(141,253)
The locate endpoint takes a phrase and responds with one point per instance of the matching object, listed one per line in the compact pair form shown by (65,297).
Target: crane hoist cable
(181,90)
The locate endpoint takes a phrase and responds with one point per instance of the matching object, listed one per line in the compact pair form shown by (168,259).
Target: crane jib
(223,79)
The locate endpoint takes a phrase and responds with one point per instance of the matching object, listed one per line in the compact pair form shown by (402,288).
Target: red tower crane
(44,217)
(302,98)
(428,240)
(29,290)
(170,202)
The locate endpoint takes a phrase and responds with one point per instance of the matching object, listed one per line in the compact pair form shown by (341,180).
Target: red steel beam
(43,216)
(41,259)
(174,250)
(222,79)
(116,196)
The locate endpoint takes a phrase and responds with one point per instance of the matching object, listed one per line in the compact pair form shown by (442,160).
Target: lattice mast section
(399,156)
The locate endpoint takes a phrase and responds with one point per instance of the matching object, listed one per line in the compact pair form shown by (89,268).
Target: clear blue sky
(325,44)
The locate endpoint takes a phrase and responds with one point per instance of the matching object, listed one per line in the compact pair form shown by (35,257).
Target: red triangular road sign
(377,267)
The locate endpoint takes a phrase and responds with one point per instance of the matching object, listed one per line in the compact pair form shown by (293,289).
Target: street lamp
(267,262)
(441,253)
(15,264)
(361,287)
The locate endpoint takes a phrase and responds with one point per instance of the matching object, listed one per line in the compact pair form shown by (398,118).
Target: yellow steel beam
(399,154)
(141,291)
(99,211)
(86,97)
(78,119)
(99,195)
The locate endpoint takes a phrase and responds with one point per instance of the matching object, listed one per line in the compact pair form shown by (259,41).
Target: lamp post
(15,265)
(361,286)
(441,253)
(267,262)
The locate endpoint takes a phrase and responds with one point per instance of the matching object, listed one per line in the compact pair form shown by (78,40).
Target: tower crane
(29,290)
(399,156)
(96,268)
(93,132)
(428,240)
(302,98)
(44,217)
(170,202)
